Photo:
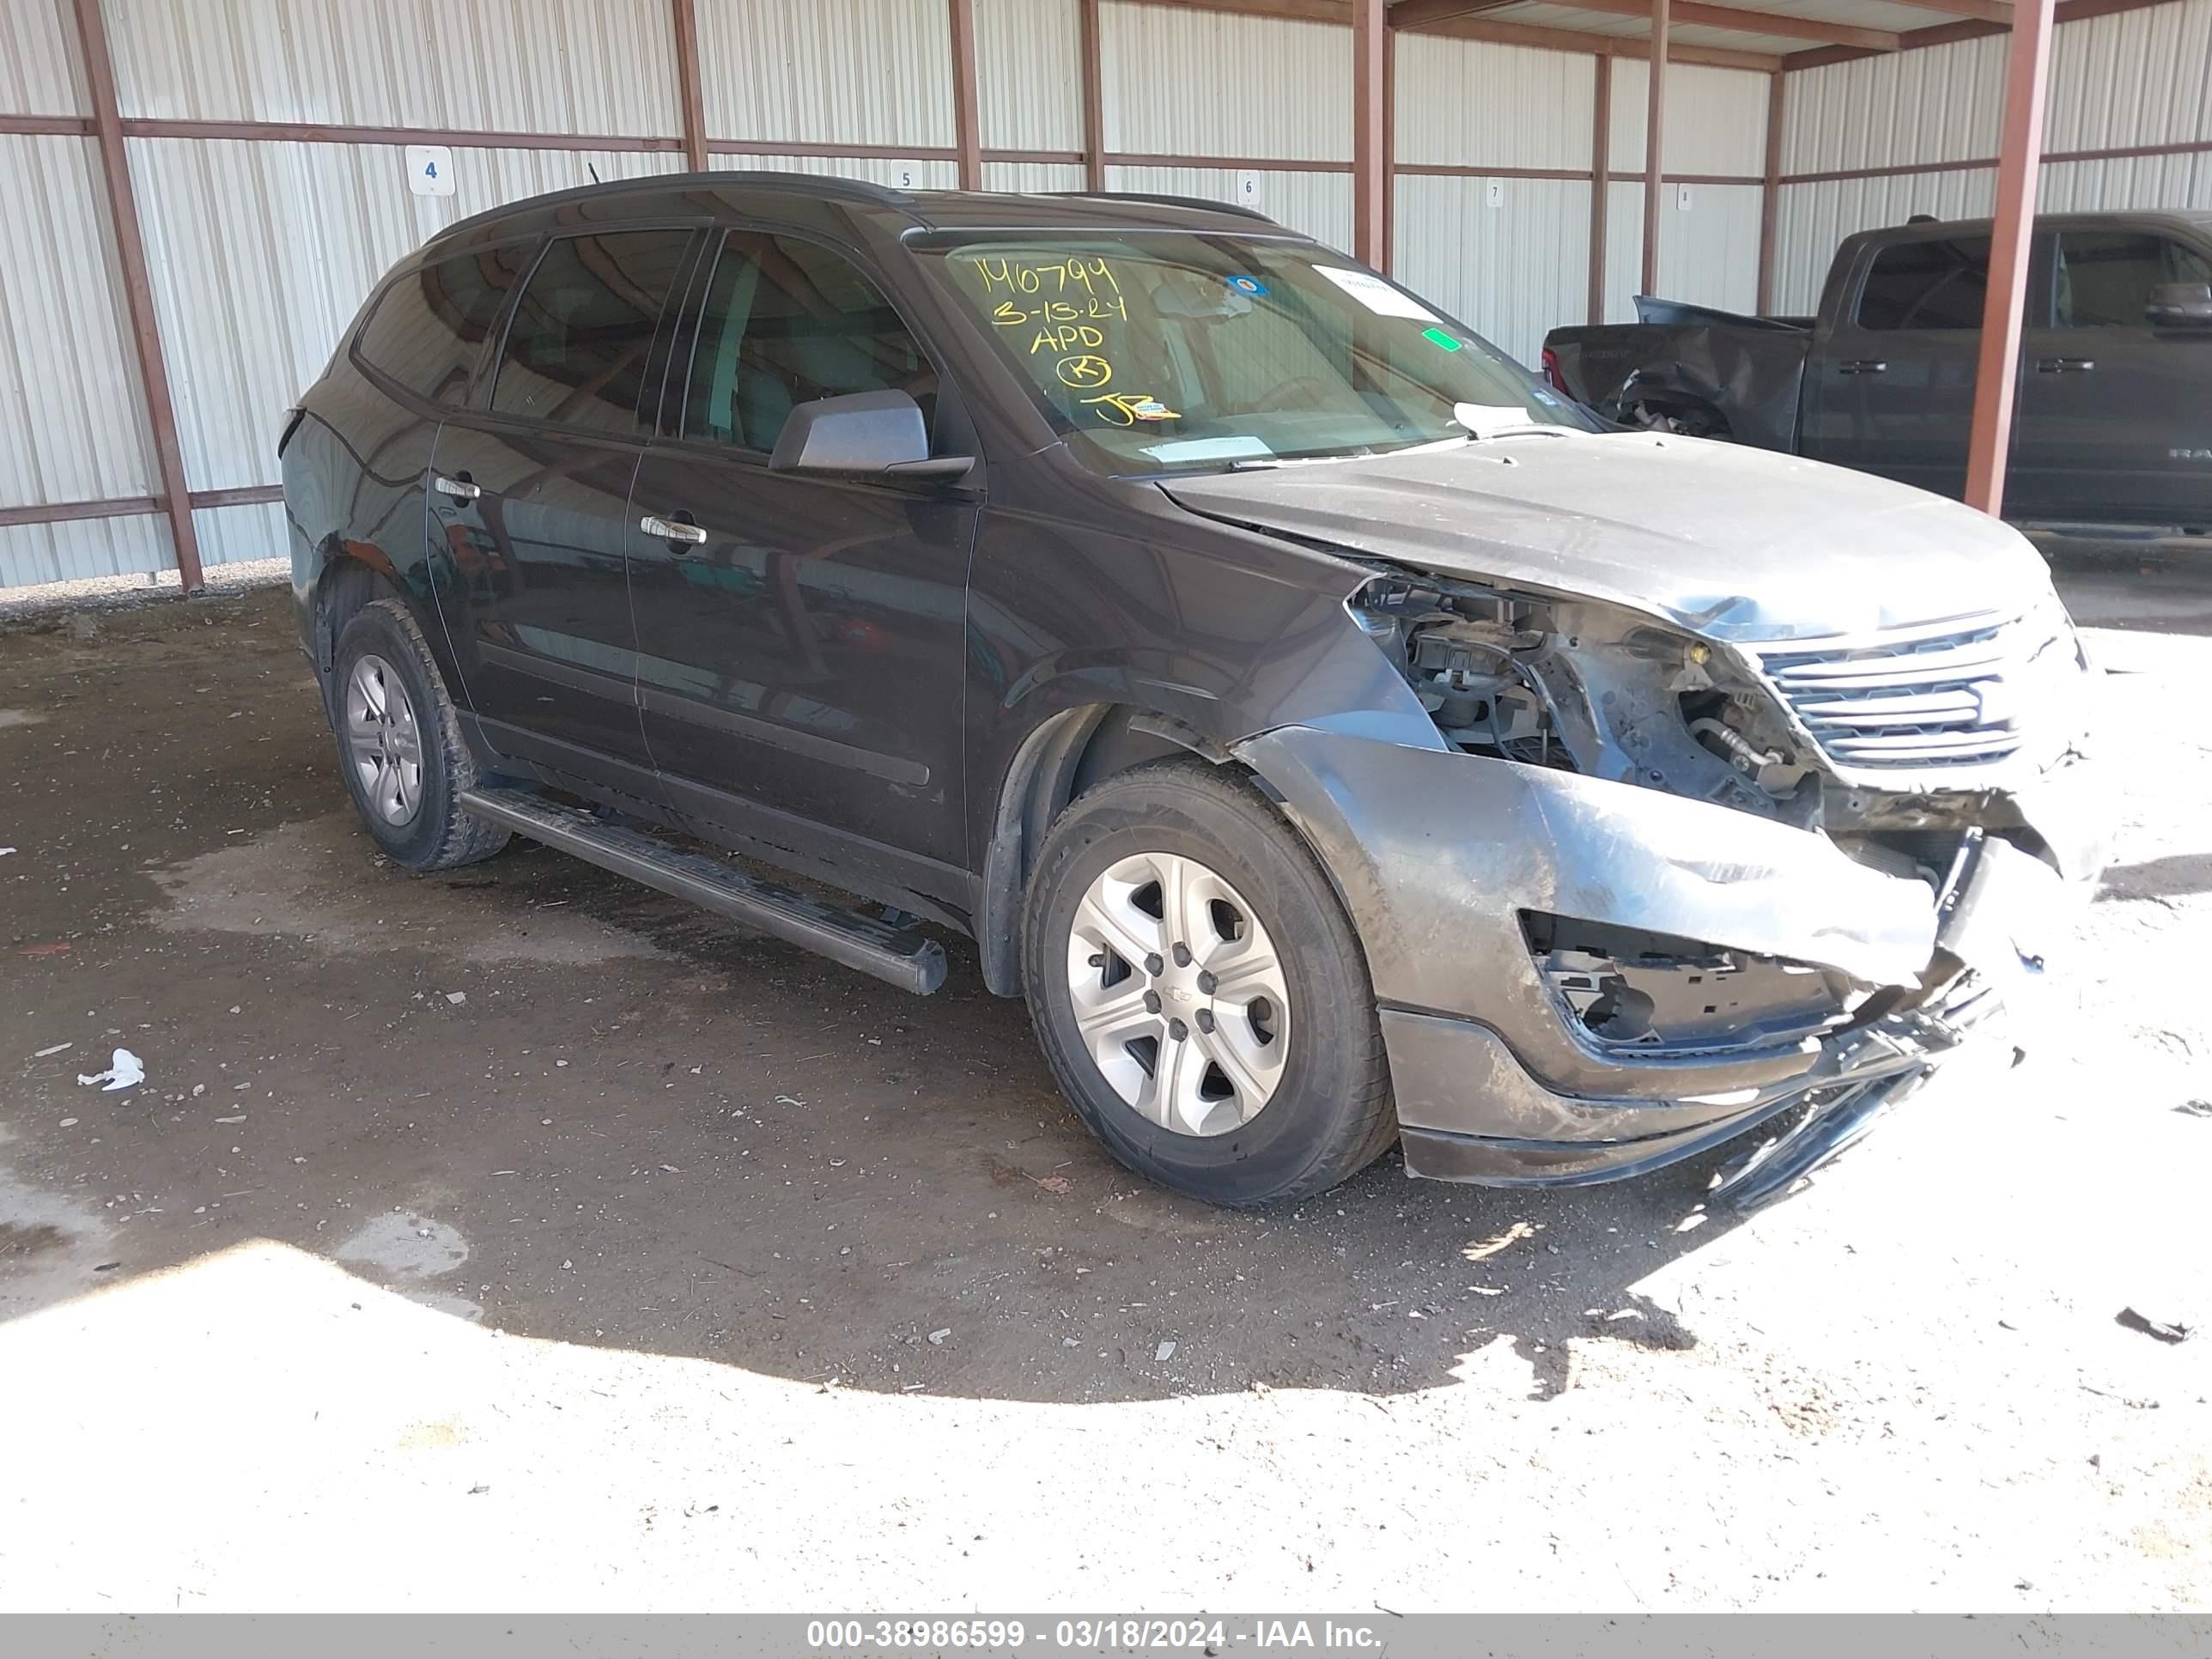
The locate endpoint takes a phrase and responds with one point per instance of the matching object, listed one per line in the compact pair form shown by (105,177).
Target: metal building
(200,192)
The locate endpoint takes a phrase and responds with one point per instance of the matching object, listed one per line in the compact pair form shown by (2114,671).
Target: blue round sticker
(1249,285)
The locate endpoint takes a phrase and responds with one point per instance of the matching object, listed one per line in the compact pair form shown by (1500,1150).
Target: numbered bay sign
(1248,188)
(430,169)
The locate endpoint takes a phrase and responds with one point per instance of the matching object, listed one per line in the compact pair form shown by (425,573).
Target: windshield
(1164,352)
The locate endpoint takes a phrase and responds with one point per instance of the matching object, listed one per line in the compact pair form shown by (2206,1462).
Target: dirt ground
(517,1239)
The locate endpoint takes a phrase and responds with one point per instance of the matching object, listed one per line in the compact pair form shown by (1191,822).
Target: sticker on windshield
(1152,408)
(1251,286)
(1437,336)
(1378,295)
(1209,449)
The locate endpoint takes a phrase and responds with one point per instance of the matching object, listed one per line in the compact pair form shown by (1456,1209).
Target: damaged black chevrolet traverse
(1337,737)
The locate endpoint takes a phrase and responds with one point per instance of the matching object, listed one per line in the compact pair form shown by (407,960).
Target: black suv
(1334,735)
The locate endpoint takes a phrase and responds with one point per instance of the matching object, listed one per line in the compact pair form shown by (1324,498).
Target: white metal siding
(1511,272)
(1708,254)
(1938,104)
(1215,83)
(1028,74)
(1318,205)
(1032,175)
(2143,181)
(2141,77)
(830,71)
(40,70)
(597,66)
(72,421)
(1813,221)
(1468,103)
(898,174)
(1716,118)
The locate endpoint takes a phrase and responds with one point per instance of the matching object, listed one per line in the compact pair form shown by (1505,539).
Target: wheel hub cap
(1179,994)
(384,741)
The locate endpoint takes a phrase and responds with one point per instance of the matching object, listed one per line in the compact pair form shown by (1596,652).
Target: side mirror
(863,435)
(2179,305)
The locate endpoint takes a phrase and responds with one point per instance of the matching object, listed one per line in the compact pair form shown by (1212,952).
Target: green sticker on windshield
(1438,337)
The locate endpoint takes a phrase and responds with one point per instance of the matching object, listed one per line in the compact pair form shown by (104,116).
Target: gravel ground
(516,1238)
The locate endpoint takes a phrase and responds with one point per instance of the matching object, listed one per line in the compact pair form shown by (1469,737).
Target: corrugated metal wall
(2138,78)
(72,412)
(262,247)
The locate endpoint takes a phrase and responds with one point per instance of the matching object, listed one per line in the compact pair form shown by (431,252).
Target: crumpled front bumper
(1439,854)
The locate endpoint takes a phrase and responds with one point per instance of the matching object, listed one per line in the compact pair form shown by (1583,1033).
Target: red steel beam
(1600,167)
(2019,157)
(690,90)
(138,291)
(1655,132)
(1770,195)
(1094,100)
(1370,144)
(967,109)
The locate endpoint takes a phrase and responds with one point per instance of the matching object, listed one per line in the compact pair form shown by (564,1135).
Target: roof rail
(811,184)
(1198,202)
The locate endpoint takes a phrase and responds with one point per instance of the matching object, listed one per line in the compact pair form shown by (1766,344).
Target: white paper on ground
(125,1070)
(1378,295)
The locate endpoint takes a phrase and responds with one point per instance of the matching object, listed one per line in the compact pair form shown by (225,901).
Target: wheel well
(1069,754)
(346,585)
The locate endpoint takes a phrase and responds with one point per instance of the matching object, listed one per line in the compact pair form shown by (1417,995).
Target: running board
(902,956)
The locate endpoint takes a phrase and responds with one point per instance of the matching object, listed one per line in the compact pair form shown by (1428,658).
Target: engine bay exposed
(1600,691)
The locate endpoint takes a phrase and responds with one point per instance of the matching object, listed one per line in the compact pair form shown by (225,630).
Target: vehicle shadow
(2134,587)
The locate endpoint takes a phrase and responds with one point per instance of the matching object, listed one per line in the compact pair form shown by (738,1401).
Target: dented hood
(1734,543)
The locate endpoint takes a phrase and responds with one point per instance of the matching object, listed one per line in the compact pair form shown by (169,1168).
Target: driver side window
(786,322)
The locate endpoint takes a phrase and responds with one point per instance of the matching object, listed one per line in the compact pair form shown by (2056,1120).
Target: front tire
(400,746)
(1200,993)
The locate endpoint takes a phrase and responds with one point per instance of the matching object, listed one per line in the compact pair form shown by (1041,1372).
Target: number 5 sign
(430,169)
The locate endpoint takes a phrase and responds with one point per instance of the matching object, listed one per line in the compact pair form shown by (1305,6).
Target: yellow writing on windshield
(1068,303)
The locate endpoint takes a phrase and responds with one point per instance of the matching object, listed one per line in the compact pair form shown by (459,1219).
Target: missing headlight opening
(1594,690)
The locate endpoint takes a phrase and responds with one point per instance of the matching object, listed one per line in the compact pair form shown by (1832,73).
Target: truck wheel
(399,744)
(1200,993)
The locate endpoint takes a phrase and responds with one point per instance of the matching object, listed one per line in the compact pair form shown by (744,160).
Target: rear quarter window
(1932,284)
(428,330)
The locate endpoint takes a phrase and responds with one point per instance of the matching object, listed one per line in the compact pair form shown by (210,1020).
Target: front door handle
(2064,365)
(463,488)
(673,530)
(1864,366)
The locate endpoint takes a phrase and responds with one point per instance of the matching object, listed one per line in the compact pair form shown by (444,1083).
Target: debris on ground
(125,1070)
(937,1338)
(56,1048)
(2165,1330)
(1164,1352)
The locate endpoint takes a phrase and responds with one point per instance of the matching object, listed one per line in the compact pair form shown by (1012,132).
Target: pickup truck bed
(2114,397)
(1689,368)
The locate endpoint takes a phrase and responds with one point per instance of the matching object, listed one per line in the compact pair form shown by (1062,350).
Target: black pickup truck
(2114,420)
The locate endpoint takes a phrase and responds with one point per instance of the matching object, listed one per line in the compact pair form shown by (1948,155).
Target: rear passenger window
(1927,285)
(430,328)
(786,322)
(2105,277)
(576,351)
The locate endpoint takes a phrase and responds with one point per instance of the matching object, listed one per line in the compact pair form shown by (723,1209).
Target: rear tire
(1258,1079)
(399,744)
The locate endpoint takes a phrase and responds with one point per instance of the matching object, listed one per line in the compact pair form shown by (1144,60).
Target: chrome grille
(1944,694)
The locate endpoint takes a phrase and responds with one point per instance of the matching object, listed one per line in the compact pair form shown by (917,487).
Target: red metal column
(689,92)
(138,290)
(1600,185)
(1371,143)
(967,127)
(2020,158)
(1770,199)
(1094,101)
(1654,128)
(1389,145)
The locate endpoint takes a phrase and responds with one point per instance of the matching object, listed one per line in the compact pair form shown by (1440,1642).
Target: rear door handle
(2064,365)
(1864,366)
(462,488)
(673,530)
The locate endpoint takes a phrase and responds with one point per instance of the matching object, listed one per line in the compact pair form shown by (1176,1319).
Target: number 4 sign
(430,169)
